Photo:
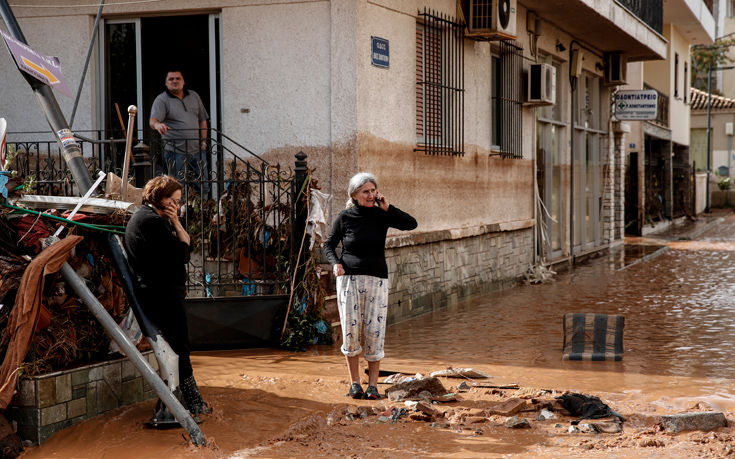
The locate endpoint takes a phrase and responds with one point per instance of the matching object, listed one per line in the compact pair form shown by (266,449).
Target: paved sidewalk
(686,229)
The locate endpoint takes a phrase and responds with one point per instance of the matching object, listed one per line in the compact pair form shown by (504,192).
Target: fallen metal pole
(179,412)
(73,157)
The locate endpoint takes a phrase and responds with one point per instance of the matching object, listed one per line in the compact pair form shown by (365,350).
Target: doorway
(633,224)
(137,53)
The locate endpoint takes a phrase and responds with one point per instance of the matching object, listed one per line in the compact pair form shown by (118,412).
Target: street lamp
(709,116)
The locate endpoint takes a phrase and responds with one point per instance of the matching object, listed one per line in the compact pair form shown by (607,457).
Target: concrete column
(344,22)
(621,131)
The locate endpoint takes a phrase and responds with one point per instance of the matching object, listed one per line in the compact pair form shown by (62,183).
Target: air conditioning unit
(616,69)
(541,84)
(490,19)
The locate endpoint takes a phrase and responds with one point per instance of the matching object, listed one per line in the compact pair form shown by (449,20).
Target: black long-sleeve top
(156,255)
(362,231)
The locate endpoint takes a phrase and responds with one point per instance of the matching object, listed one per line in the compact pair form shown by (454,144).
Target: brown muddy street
(679,309)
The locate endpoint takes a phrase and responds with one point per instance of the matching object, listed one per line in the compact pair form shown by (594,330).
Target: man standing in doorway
(179,115)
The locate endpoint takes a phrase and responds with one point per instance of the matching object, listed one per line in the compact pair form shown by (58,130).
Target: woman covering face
(157,246)
(362,275)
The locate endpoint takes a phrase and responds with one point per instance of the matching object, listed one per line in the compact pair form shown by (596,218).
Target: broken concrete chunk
(420,417)
(445,398)
(508,408)
(460,373)
(440,425)
(586,427)
(706,420)
(426,408)
(409,389)
(474,420)
(398,378)
(517,423)
(607,427)
(545,414)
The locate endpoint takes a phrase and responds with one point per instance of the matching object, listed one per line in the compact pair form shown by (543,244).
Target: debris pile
(64,332)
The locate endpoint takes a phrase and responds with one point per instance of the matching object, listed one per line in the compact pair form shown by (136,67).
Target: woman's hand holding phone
(381,201)
(171,211)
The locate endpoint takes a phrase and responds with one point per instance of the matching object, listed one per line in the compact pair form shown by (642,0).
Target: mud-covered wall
(441,191)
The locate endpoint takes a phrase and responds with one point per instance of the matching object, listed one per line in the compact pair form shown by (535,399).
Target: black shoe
(192,398)
(372,393)
(356,391)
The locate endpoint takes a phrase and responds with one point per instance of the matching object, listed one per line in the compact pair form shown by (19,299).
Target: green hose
(114,229)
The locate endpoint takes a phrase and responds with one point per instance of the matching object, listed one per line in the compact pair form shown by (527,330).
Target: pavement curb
(648,257)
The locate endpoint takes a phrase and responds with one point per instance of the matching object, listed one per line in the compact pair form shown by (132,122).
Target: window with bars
(439,85)
(507,100)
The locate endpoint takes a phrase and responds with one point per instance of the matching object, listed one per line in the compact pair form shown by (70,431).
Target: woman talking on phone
(362,275)
(157,246)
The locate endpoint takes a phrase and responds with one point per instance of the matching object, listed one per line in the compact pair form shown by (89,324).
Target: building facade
(658,176)
(499,179)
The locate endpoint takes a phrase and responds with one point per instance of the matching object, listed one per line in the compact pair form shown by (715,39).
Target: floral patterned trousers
(363,310)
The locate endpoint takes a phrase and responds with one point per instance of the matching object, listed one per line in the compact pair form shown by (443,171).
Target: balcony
(662,108)
(649,11)
(608,25)
(692,18)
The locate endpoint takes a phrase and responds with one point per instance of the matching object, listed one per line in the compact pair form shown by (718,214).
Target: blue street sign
(380,54)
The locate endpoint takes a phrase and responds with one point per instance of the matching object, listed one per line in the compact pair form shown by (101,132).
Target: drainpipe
(709,135)
(573,87)
(73,157)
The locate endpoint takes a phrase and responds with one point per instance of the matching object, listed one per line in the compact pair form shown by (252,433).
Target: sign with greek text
(43,68)
(636,104)
(380,54)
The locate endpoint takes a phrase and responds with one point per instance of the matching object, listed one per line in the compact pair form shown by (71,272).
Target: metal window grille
(439,85)
(507,100)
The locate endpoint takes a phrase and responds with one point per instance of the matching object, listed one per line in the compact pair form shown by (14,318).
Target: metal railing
(649,11)
(239,210)
(662,107)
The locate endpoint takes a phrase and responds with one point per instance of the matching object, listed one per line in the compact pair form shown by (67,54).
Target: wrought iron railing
(649,11)
(662,107)
(238,208)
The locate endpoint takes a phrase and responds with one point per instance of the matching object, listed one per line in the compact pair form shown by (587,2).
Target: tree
(705,55)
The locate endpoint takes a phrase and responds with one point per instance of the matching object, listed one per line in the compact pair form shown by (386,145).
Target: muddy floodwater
(677,294)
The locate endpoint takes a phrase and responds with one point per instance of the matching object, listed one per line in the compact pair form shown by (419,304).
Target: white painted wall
(276,64)
(678,109)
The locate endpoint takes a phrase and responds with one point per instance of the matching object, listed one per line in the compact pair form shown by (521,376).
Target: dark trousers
(168,314)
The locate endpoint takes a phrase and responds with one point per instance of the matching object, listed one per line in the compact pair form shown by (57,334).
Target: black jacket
(156,255)
(362,230)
